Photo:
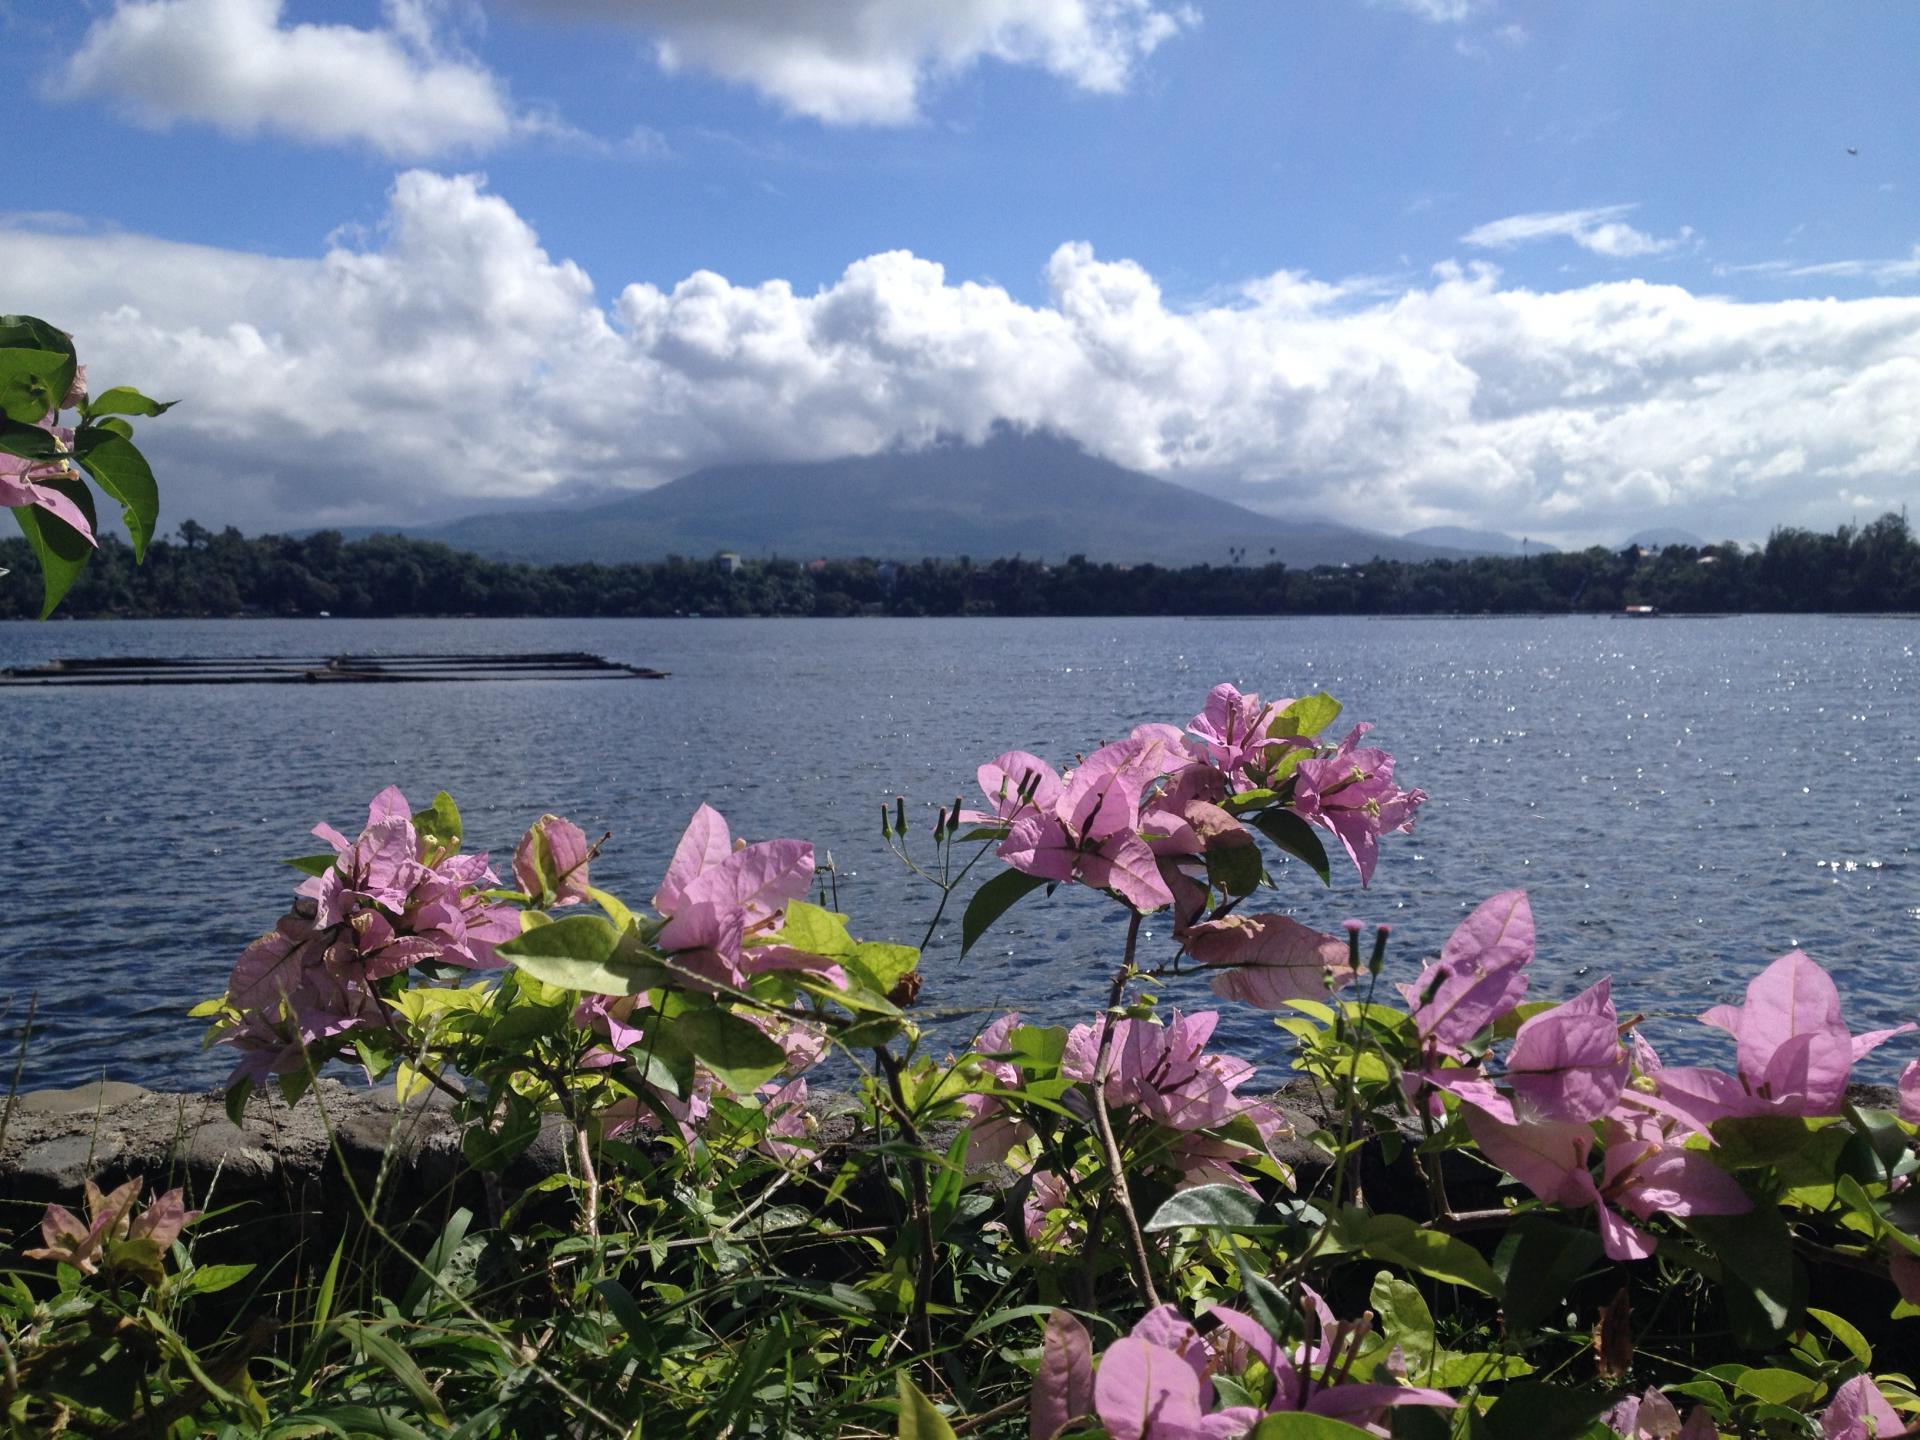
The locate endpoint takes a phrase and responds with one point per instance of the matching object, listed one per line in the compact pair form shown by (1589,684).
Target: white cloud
(852,62)
(448,358)
(238,66)
(1600,229)
(1881,272)
(1442,12)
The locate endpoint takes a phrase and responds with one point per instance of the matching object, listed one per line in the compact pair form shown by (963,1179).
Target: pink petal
(703,845)
(1063,1385)
(1481,973)
(1568,1062)
(1548,1158)
(1859,1412)
(1140,1387)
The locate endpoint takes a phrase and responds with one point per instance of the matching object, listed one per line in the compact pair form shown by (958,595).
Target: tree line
(198,572)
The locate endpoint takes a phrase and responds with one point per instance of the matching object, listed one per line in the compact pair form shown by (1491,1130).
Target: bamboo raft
(326,670)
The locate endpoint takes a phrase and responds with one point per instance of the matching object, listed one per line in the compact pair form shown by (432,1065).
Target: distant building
(728,562)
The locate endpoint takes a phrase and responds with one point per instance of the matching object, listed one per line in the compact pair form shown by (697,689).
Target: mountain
(1018,493)
(1660,537)
(1478,542)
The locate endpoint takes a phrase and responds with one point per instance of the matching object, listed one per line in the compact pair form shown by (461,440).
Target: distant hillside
(1478,542)
(1017,494)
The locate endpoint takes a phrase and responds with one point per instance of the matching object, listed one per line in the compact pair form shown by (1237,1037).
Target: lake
(1683,799)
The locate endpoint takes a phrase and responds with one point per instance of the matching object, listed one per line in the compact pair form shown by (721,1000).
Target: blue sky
(1567,270)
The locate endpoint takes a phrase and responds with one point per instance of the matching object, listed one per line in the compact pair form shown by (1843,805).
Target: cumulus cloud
(449,359)
(868,61)
(239,66)
(1600,229)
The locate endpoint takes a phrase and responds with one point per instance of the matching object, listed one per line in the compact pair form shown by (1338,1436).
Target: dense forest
(1873,567)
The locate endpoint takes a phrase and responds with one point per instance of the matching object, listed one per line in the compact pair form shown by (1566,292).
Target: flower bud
(1379,957)
(900,814)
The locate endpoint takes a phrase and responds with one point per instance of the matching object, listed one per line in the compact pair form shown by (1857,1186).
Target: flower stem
(1103,1122)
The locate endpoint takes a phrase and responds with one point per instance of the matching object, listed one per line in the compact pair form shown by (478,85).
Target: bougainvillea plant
(44,465)
(1532,1225)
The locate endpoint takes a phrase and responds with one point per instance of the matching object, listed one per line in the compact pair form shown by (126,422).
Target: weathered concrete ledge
(292,1173)
(309,1167)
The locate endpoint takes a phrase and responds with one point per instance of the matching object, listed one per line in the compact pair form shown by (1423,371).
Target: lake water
(1683,799)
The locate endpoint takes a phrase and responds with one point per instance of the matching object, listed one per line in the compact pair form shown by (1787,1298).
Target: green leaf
(30,442)
(1399,1239)
(1037,1047)
(382,1351)
(496,1147)
(1538,1262)
(1404,1319)
(920,1419)
(1234,868)
(1803,1151)
(125,400)
(37,365)
(1779,1387)
(882,965)
(1299,1425)
(1763,1283)
(62,551)
(579,953)
(737,1051)
(237,1095)
(122,471)
(420,1288)
(313,864)
(211,1279)
(1537,1410)
(1297,838)
(1855,1343)
(1305,717)
(1215,1207)
(440,822)
(992,900)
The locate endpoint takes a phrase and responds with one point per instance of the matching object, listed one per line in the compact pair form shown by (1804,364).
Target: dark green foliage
(1868,568)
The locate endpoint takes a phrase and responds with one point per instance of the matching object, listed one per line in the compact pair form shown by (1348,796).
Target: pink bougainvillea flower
(25,482)
(1793,1052)
(1015,782)
(1154,1385)
(788,1123)
(1268,960)
(1910,1093)
(1309,1378)
(993,1129)
(1793,1047)
(1858,1411)
(1481,973)
(717,892)
(553,853)
(1232,729)
(1567,1063)
(1047,1194)
(1351,794)
(381,867)
(1090,832)
(1164,1070)
(1641,1173)
(1653,1417)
